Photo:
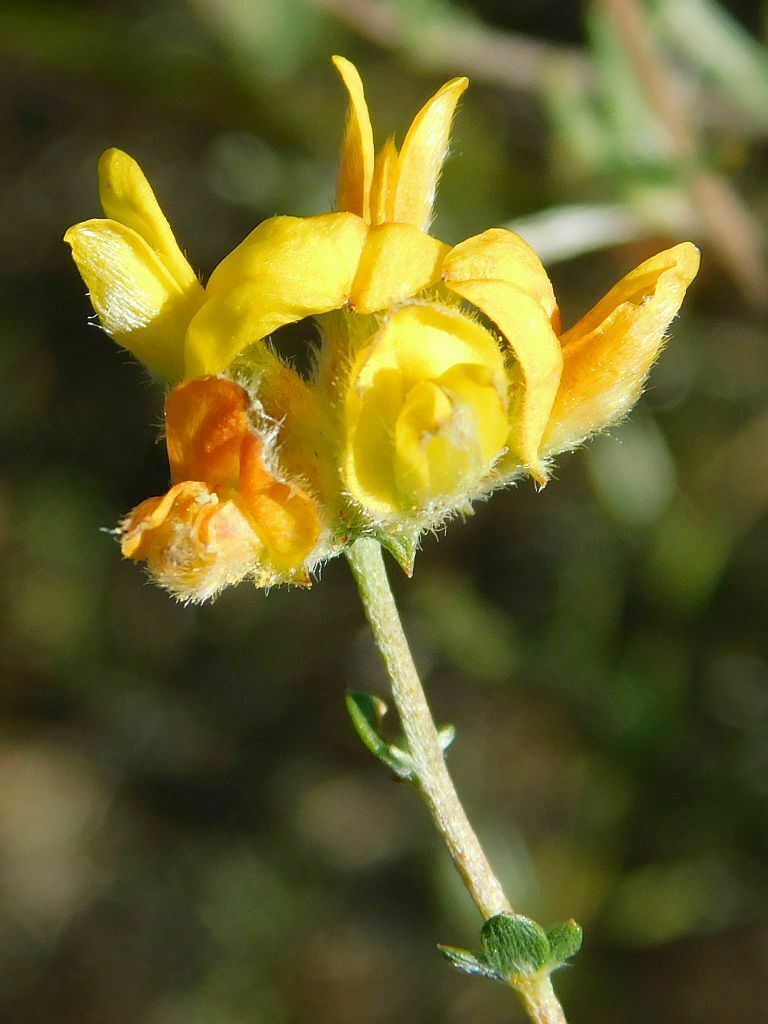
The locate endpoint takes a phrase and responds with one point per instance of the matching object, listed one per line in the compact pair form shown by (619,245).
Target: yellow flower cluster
(442,372)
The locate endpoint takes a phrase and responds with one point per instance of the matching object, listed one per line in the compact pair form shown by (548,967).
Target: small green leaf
(515,949)
(469,963)
(403,547)
(366,711)
(564,941)
(514,944)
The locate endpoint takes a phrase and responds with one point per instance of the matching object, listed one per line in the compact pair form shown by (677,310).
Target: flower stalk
(430,773)
(540,1002)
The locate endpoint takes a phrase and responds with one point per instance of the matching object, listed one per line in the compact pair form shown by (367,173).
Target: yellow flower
(361,260)
(442,373)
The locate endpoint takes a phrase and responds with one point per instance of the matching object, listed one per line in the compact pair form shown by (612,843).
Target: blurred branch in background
(627,113)
(726,223)
(562,232)
(438,36)
(725,74)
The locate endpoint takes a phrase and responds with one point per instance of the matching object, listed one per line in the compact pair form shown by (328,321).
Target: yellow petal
(538,361)
(384,183)
(285,270)
(127,197)
(356,170)
(425,341)
(398,260)
(471,385)
(371,411)
(421,157)
(448,434)
(425,461)
(501,255)
(421,345)
(138,301)
(609,352)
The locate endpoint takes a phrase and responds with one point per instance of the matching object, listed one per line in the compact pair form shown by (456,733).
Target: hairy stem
(541,1003)
(431,774)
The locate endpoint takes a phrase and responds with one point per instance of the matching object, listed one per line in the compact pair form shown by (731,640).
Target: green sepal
(564,942)
(367,711)
(469,963)
(403,547)
(514,944)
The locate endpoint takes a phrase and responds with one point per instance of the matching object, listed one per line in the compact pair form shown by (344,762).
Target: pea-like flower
(442,372)
(227,515)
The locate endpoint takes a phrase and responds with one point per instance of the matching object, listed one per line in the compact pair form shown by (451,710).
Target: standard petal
(538,361)
(422,154)
(286,269)
(138,301)
(501,255)
(126,196)
(356,170)
(398,260)
(609,352)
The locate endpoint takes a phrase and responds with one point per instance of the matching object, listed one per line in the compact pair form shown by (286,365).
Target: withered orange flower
(227,516)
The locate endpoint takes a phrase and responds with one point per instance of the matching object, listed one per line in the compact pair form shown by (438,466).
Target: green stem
(431,774)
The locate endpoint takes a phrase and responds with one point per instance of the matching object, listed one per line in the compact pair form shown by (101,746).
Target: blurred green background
(190,832)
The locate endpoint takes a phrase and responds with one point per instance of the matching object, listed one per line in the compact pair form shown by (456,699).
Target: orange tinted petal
(285,516)
(210,439)
(356,170)
(609,352)
(205,423)
(193,544)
